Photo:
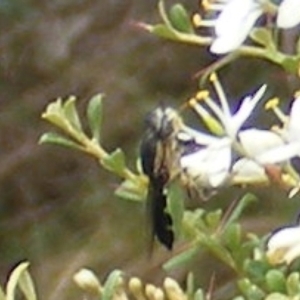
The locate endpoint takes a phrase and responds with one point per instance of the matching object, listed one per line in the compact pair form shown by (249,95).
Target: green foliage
(176,26)
(64,115)
(218,233)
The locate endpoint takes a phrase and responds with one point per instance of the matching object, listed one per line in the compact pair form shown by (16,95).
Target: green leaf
(94,116)
(263,36)
(163,31)
(232,237)
(275,281)
(54,114)
(27,286)
(2,294)
(111,285)
(293,284)
(213,218)
(190,285)
(55,138)
(129,190)
(256,269)
(71,114)
(180,19)
(291,64)
(115,161)
(250,290)
(240,207)
(199,295)
(213,245)
(55,107)
(182,259)
(14,279)
(277,296)
(176,206)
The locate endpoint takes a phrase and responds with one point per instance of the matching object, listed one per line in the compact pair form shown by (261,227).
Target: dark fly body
(160,155)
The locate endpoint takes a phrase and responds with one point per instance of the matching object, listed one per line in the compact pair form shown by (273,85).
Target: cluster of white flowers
(261,156)
(234,155)
(236,19)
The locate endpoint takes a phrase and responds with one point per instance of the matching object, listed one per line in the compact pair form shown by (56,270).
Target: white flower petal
(256,141)
(284,238)
(234,24)
(246,108)
(209,166)
(293,127)
(279,154)
(288,14)
(292,254)
(247,170)
(284,245)
(200,137)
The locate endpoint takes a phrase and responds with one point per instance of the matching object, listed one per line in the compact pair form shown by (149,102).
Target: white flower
(256,145)
(264,148)
(234,24)
(210,166)
(238,17)
(284,245)
(292,129)
(288,14)
(290,135)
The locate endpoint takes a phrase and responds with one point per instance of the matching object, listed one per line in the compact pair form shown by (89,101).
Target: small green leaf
(213,218)
(27,286)
(163,31)
(232,237)
(293,284)
(14,279)
(192,223)
(55,107)
(130,191)
(176,206)
(71,114)
(277,296)
(199,295)
(2,295)
(94,116)
(115,161)
(54,114)
(250,290)
(180,19)
(214,246)
(256,269)
(190,285)
(243,203)
(182,259)
(55,138)
(291,64)
(111,285)
(275,281)
(263,36)
(239,298)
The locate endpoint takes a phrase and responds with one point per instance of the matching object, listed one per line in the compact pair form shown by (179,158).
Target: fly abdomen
(161,219)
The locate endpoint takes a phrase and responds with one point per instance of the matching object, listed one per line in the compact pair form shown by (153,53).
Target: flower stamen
(273,104)
(220,93)
(198,21)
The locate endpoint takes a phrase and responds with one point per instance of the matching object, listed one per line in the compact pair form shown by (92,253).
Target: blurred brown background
(57,207)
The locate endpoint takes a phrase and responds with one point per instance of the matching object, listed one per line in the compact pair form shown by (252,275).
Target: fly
(160,157)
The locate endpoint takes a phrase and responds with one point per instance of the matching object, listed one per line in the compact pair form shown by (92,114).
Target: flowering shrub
(176,158)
